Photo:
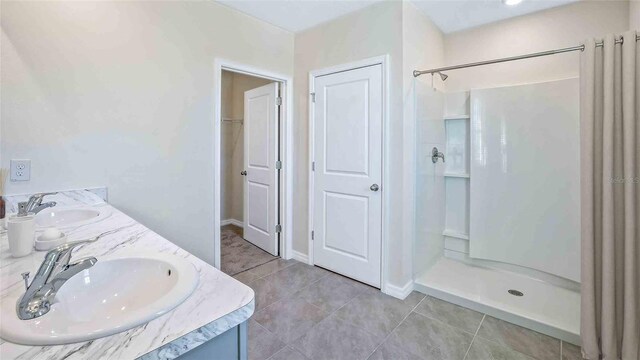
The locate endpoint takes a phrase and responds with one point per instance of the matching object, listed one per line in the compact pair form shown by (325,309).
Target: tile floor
(307,313)
(237,254)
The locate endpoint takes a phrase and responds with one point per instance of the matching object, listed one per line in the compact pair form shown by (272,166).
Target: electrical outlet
(20,170)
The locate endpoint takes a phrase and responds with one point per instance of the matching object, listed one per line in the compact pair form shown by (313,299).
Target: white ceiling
(297,15)
(448,15)
(456,15)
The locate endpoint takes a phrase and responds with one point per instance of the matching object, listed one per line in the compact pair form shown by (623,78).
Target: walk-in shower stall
(498,211)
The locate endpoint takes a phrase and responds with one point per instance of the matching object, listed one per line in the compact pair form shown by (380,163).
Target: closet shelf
(455,234)
(457,175)
(233,121)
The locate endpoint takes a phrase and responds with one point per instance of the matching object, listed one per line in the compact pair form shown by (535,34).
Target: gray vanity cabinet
(230,345)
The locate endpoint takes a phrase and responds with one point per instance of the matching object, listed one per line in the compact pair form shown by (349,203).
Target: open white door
(260,155)
(347,210)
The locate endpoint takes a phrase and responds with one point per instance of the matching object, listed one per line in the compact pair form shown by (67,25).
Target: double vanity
(116,290)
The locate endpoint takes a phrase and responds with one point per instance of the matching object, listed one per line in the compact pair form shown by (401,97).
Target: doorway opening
(251,227)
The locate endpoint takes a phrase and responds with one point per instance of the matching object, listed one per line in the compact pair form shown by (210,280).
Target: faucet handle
(62,253)
(435,154)
(36,200)
(41,195)
(25,277)
(68,247)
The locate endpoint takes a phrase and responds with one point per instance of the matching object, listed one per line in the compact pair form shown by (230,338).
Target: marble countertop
(219,302)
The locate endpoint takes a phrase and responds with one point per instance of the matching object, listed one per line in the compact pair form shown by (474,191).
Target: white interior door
(260,155)
(347,210)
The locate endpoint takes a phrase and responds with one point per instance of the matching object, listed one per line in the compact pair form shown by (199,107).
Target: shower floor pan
(543,307)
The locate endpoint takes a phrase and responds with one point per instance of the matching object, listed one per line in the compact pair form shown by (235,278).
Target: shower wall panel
(525,176)
(429,191)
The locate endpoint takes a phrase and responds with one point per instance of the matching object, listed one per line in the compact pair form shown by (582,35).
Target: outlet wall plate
(20,170)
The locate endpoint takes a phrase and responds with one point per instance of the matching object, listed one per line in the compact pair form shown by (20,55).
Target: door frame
(286,150)
(377,60)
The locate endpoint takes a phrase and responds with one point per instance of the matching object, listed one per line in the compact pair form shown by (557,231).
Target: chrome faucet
(35,205)
(54,271)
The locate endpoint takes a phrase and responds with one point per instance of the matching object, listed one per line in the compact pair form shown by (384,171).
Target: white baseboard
(235,222)
(399,292)
(303,258)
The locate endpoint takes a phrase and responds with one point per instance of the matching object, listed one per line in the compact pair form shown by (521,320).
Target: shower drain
(516,292)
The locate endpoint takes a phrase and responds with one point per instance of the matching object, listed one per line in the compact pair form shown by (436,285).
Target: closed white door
(347,220)
(260,155)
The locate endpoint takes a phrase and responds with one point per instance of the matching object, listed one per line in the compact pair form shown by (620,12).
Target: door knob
(243,172)
(374,187)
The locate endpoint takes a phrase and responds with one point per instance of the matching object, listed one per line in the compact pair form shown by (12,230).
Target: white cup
(22,232)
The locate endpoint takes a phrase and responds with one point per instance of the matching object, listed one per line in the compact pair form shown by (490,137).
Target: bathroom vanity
(209,324)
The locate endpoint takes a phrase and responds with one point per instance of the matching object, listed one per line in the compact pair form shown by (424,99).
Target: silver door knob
(374,187)
(243,172)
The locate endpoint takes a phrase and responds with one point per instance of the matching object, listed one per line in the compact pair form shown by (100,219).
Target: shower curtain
(610,191)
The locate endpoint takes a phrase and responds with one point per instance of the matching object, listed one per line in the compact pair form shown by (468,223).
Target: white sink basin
(112,296)
(62,217)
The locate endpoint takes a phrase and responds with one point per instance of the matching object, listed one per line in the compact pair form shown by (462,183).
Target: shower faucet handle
(435,154)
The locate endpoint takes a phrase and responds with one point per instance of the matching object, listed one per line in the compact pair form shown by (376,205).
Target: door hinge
(313,97)
(278,229)
(313,166)
(278,165)
(278,101)
(312,235)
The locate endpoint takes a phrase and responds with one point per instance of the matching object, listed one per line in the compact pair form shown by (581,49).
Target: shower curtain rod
(417,73)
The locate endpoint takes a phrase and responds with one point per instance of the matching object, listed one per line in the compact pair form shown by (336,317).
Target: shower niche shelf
(456,207)
(457,146)
(456,234)
(456,175)
(457,123)
(457,117)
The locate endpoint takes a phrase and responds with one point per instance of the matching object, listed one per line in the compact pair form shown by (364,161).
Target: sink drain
(516,292)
